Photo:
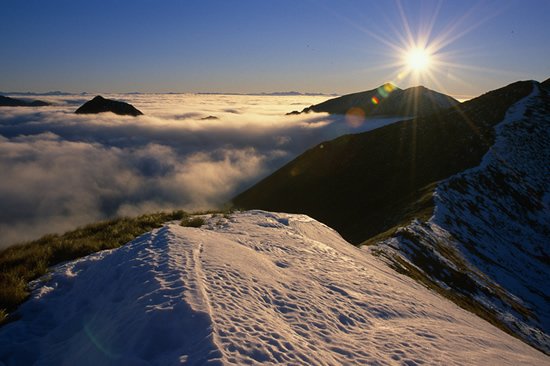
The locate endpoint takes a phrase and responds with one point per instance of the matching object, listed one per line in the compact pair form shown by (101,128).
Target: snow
(256,287)
(512,227)
(496,219)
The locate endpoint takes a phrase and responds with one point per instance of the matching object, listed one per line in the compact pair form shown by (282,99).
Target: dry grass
(192,221)
(22,263)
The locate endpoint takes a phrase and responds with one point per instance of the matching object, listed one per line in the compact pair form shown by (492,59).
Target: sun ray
(457,30)
(430,25)
(416,53)
(408,32)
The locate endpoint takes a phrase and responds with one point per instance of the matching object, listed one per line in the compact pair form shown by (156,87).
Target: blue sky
(262,46)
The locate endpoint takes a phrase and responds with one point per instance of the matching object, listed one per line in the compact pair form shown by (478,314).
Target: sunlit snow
(254,287)
(495,221)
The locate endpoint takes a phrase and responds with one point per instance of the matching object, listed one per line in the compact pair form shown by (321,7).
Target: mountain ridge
(490,227)
(386,100)
(381,188)
(398,161)
(248,288)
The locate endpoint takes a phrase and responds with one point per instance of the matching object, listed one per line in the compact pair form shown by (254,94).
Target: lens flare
(374,100)
(385,90)
(96,341)
(355,117)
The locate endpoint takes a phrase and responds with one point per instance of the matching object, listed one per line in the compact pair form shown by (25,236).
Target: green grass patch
(22,263)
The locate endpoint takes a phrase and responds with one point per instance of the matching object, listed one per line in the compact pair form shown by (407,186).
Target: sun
(418,59)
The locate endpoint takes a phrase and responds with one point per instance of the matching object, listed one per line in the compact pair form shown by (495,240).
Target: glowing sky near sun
(260,46)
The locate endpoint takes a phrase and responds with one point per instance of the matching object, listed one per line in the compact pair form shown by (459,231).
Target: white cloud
(61,170)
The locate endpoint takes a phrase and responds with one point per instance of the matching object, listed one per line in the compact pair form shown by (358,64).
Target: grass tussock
(195,220)
(192,221)
(22,263)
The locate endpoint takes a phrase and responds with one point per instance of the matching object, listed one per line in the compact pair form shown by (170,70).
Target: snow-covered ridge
(257,287)
(491,227)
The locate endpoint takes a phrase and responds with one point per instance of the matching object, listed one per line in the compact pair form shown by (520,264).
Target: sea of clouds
(60,170)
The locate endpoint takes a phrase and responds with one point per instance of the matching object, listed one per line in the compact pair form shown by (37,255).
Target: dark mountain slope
(12,102)
(364,184)
(488,244)
(485,246)
(100,105)
(387,100)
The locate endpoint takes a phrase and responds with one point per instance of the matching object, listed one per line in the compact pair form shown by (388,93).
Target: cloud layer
(61,170)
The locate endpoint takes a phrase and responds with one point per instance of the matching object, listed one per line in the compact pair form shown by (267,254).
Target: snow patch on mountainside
(255,287)
(490,234)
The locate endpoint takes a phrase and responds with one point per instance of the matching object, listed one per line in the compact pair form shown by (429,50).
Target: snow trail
(255,288)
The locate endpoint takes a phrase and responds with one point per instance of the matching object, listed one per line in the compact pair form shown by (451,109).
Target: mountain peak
(390,85)
(387,100)
(99,105)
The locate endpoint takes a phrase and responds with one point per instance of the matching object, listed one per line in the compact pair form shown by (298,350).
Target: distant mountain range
(50,93)
(386,100)
(62,93)
(288,93)
(456,198)
(12,102)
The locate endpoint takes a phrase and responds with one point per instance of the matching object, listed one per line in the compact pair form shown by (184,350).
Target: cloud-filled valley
(61,170)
